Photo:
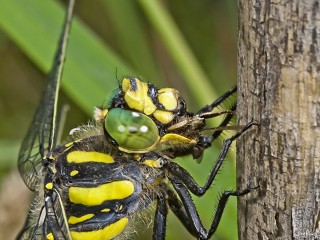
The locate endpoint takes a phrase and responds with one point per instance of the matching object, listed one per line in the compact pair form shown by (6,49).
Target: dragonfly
(96,184)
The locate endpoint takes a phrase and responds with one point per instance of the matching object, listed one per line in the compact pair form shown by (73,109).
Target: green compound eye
(134,132)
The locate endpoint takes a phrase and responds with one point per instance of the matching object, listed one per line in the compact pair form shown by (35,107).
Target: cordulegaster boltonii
(93,186)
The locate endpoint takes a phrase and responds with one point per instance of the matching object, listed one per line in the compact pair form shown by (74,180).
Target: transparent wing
(32,229)
(41,134)
(56,219)
(51,221)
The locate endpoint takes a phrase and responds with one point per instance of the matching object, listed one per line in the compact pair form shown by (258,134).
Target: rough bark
(279,87)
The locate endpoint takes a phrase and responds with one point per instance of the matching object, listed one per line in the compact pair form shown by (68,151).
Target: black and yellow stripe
(100,189)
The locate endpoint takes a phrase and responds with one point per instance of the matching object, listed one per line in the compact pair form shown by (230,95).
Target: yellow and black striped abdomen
(101,192)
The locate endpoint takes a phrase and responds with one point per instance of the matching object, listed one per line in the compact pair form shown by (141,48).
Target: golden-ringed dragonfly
(93,186)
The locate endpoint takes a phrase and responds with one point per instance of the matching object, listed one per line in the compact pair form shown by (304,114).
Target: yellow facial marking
(162,116)
(49,186)
(176,139)
(50,236)
(74,220)
(105,112)
(168,97)
(126,85)
(83,157)
(97,195)
(137,97)
(107,233)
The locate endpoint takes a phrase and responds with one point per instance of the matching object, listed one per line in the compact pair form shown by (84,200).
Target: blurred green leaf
(90,69)
(9,152)
(132,36)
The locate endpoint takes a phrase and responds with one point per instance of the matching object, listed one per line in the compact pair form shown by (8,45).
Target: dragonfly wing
(41,134)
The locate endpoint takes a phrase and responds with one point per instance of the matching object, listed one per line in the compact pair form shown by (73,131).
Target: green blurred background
(185,44)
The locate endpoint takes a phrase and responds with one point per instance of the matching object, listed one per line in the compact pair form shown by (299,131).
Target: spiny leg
(221,205)
(194,224)
(224,123)
(185,209)
(204,142)
(160,219)
(206,113)
(217,102)
(169,198)
(176,170)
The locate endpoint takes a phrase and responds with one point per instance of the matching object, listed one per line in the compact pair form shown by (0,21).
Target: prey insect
(93,186)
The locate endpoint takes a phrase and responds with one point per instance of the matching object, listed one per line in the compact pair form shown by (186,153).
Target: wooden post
(279,87)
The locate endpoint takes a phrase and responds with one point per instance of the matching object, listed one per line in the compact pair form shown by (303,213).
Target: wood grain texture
(279,87)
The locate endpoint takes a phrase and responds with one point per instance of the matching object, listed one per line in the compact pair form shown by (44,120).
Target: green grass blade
(90,68)
(194,76)
(132,38)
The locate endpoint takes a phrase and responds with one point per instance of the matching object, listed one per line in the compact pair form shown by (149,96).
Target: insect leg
(221,205)
(160,219)
(217,102)
(177,208)
(176,170)
(195,225)
(205,141)
(191,217)
(169,197)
